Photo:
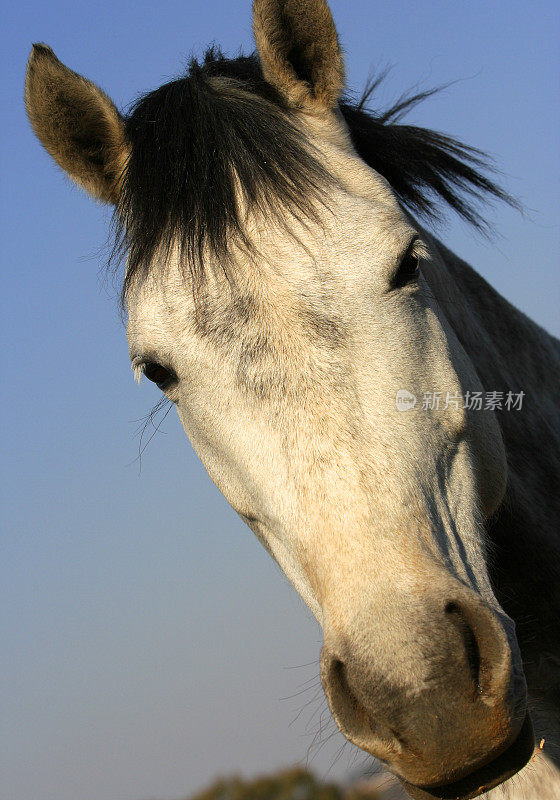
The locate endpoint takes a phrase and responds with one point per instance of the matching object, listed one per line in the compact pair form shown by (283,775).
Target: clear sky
(148,640)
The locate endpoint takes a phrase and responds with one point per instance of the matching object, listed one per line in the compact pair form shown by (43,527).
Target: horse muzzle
(449,717)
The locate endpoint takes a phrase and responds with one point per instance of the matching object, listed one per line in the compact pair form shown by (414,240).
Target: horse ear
(76,123)
(299,51)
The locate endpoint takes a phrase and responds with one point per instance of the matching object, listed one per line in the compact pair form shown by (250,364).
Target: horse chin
(500,769)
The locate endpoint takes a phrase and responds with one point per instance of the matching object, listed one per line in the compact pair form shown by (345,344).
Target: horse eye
(409,270)
(160,375)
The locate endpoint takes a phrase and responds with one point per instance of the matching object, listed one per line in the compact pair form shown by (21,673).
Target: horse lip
(500,769)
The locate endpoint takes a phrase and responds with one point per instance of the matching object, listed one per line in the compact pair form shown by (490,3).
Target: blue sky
(148,639)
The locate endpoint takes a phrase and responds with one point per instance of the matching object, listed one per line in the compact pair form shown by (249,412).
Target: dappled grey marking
(324,328)
(225,321)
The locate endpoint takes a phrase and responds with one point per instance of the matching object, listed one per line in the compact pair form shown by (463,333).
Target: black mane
(221,128)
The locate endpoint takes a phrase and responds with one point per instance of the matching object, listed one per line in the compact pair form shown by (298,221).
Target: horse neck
(505,345)
(512,353)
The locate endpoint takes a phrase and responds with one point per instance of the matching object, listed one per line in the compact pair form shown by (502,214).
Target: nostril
(349,712)
(341,688)
(470,643)
(353,717)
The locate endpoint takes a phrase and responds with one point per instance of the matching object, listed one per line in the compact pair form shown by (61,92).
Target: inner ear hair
(299,50)
(76,123)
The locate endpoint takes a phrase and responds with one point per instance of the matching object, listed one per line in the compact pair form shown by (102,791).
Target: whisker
(145,423)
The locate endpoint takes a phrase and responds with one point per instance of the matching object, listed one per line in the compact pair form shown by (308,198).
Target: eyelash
(162,376)
(409,265)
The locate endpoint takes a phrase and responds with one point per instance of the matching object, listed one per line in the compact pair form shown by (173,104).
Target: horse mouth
(504,766)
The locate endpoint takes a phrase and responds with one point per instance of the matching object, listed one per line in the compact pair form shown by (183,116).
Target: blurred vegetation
(291,784)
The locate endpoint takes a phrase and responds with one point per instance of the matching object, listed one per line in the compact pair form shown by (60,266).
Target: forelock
(203,150)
